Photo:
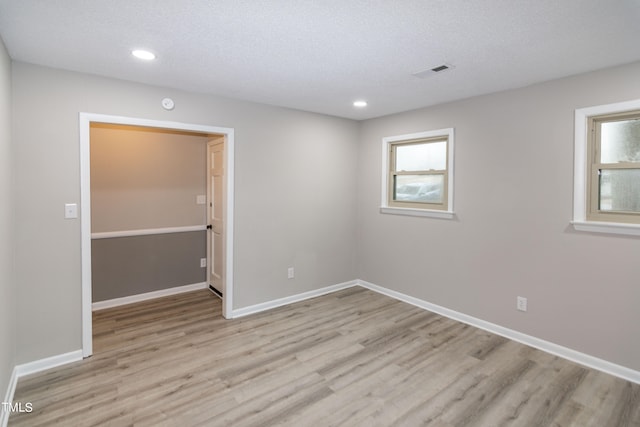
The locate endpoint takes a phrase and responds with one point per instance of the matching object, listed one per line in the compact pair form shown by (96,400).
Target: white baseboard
(116,302)
(11,389)
(31,368)
(47,363)
(252,309)
(546,346)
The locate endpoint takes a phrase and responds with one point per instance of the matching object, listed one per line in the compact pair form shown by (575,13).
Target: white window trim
(581,171)
(432,213)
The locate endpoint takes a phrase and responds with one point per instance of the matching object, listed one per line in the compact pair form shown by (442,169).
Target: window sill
(430,213)
(607,227)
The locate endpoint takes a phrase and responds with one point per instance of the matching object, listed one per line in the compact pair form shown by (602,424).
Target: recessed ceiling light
(360,104)
(143,54)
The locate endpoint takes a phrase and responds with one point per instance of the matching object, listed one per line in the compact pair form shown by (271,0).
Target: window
(607,165)
(614,148)
(418,174)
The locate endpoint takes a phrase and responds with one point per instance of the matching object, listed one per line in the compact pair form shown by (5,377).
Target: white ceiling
(321,55)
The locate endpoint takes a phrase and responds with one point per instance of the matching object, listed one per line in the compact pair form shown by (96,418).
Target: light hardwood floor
(352,358)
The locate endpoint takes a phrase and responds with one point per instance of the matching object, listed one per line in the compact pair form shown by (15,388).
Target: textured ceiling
(321,55)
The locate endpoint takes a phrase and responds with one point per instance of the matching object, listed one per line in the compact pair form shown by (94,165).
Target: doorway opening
(219,201)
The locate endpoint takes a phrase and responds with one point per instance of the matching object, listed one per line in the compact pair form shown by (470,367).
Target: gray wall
(143,178)
(7,279)
(294,194)
(301,202)
(511,236)
(134,265)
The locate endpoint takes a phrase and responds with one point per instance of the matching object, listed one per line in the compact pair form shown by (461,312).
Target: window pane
(421,157)
(620,141)
(620,190)
(418,188)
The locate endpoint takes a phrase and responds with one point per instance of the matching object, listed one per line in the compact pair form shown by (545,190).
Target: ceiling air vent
(432,71)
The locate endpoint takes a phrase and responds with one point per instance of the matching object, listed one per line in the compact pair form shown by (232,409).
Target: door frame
(85,120)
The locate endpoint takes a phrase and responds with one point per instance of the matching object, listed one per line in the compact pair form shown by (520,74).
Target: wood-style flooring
(351,358)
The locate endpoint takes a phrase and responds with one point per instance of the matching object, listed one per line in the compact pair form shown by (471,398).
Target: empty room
(320,213)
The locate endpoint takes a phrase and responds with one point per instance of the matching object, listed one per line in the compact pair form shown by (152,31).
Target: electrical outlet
(521,303)
(203,262)
(290,273)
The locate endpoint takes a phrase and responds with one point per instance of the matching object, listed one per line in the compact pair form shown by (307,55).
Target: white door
(215,214)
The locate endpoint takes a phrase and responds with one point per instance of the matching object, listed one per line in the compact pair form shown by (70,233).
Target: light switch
(201,199)
(70,210)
